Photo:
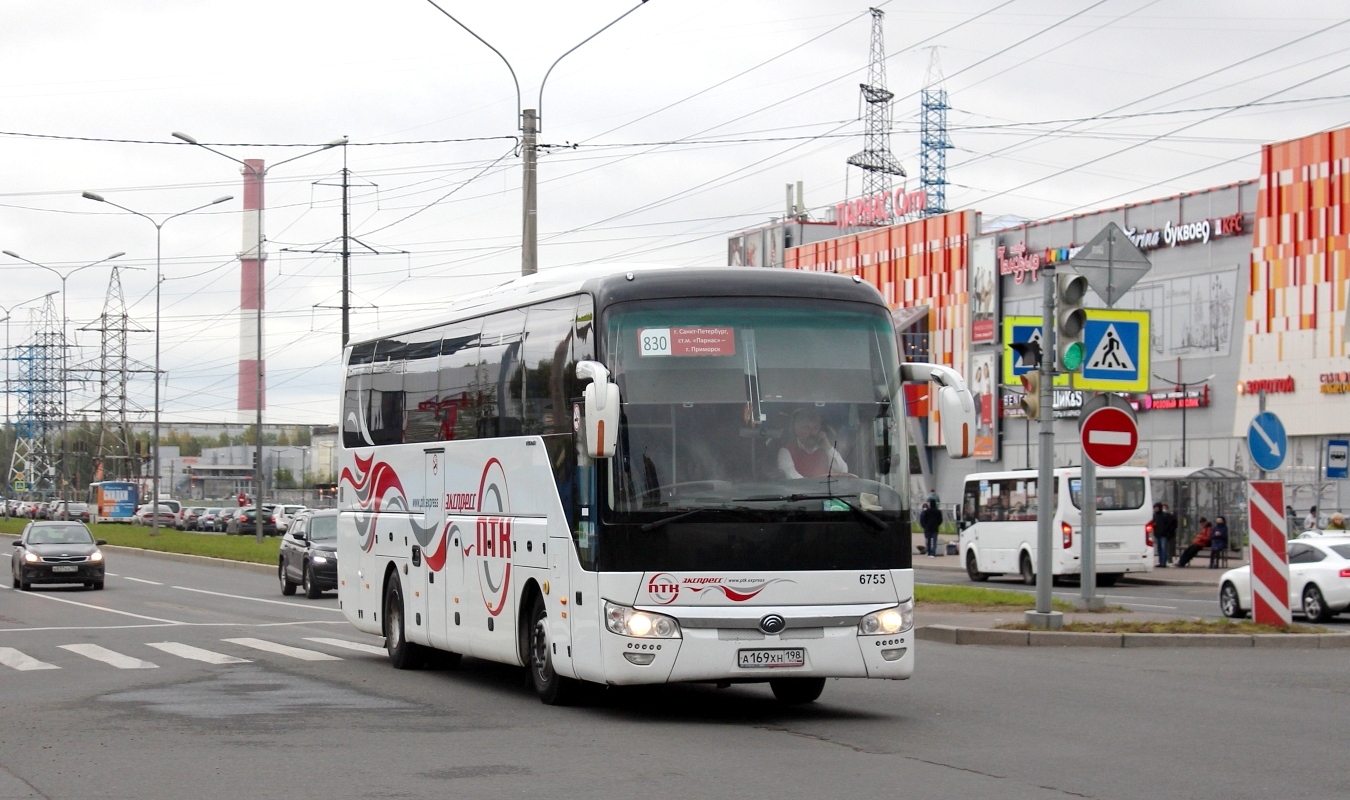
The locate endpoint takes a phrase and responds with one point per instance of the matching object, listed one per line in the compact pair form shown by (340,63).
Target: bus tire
(973,567)
(1028,574)
(553,689)
(1108,579)
(403,654)
(797,691)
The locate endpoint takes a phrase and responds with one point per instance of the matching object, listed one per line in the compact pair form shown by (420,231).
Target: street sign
(1266,441)
(1117,345)
(1270,563)
(1338,459)
(1016,330)
(1111,263)
(1109,435)
(20,486)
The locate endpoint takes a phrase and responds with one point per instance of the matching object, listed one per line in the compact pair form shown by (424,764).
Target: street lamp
(65,367)
(530,122)
(260,175)
(1183,386)
(159,231)
(9,313)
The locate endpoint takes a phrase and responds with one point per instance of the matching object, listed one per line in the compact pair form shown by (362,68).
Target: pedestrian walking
(1160,533)
(1200,542)
(930,519)
(1218,541)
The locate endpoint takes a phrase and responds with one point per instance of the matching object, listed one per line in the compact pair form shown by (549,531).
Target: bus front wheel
(403,654)
(797,691)
(553,689)
(973,567)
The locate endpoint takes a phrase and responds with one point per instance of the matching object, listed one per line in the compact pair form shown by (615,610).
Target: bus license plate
(69,568)
(1108,545)
(757,659)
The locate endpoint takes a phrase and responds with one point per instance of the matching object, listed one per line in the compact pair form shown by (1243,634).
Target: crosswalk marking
(21,661)
(283,649)
(348,645)
(195,653)
(111,657)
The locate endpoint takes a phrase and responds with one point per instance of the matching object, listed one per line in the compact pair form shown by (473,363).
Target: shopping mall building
(1247,293)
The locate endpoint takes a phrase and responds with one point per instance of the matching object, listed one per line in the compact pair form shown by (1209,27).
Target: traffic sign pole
(1045,617)
(1088,579)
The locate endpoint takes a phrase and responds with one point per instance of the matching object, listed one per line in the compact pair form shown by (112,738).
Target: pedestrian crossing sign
(1022,329)
(1117,343)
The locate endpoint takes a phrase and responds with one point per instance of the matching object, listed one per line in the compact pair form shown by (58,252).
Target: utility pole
(875,159)
(1045,617)
(529,251)
(346,251)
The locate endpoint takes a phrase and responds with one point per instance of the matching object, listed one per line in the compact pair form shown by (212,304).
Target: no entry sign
(1109,436)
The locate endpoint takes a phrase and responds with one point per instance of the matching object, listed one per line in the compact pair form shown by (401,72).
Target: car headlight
(896,619)
(319,559)
(97,556)
(628,621)
(31,557)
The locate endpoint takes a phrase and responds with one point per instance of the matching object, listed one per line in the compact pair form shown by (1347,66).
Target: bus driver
(808,452)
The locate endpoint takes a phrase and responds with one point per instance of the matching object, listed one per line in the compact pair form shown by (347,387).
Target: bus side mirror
(601,416)
(955,406)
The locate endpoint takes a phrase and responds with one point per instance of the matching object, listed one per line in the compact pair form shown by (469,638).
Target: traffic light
(1070,319)
(1029,354)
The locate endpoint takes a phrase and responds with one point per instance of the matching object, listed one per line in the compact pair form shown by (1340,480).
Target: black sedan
(309,554)
(245,523)
(57,552)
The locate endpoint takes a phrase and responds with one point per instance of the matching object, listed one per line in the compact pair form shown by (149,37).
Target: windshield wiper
(664,521)
(872,519)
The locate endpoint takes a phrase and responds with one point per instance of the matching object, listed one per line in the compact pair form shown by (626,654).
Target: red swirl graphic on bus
(377,486)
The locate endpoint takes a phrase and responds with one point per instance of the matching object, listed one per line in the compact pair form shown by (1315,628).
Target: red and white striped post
(251,262)
(1270,564)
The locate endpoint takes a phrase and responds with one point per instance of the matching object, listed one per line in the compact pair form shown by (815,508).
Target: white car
(1319,580)
(284,515)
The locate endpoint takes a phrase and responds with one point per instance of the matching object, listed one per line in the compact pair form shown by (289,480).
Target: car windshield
(737,403)
(323,529)
(60,534)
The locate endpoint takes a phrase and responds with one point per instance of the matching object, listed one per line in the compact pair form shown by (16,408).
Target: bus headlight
(896,619)
(627,621)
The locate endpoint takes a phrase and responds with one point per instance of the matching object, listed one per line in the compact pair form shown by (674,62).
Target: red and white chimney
(252,279)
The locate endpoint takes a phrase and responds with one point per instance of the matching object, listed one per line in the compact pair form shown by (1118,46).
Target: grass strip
(235,548)
(1241,627)
(979,599)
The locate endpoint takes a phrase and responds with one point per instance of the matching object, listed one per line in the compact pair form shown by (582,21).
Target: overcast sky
(688,117)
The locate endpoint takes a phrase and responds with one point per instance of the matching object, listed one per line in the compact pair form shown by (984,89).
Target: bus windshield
(742,405)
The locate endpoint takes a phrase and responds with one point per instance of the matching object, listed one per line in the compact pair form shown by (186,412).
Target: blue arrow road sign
(1266,441)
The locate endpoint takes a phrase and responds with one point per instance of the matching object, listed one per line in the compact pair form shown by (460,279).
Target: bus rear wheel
(1028,574)
(403,654)
(797,691)
(553,689)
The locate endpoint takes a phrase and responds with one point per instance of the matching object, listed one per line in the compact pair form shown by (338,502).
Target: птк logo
(663,588)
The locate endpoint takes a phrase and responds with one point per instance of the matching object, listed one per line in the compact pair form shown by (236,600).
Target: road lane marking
(1146,605)
(195,653)
(348,645)
(283,649)
(23,662)
(260,600)
(142,580)
(176,625)
(111,657)
(45,596)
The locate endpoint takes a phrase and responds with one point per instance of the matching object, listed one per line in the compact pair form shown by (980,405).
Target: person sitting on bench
(1200,542)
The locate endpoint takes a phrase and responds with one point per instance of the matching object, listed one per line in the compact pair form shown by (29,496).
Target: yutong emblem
(772,623)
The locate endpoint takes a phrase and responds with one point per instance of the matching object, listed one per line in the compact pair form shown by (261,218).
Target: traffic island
(1172,633)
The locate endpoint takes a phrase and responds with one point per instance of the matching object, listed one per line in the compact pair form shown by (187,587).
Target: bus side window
(354,432)
(970,508)
(459,385)
(547,354)
(500,375)
(384,410)
(422,423)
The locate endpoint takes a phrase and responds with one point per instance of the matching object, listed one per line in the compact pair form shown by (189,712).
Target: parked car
(223,519)
(245,522)
(79,512)
(308,554)
(187,521)
(167,517)
(1319,580)
(285,514)
(206,521)
(57,552)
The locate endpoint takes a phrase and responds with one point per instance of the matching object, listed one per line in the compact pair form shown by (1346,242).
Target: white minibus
(997,517)
(639,475)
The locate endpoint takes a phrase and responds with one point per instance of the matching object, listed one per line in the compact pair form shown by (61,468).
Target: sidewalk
(1197,574)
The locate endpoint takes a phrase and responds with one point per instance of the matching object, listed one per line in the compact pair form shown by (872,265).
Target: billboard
(983,291)
(984,389)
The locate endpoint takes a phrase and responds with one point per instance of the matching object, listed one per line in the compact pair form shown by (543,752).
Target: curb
(953,634)
(1137,578)
(186,558)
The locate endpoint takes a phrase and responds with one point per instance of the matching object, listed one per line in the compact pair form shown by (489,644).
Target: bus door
(438,561)
(417,580)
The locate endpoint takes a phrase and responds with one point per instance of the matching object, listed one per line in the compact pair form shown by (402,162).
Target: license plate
(757,659)
(66,568)
(1108,545)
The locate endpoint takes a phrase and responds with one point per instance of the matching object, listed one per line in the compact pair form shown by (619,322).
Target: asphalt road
(120,708)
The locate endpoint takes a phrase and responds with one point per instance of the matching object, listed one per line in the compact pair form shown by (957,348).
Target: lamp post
(530,123)
(1183,386)
(260,175)
(63,489)
(9,313)
(159,238)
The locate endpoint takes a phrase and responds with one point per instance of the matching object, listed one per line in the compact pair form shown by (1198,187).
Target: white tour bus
(639,475)
(997,516)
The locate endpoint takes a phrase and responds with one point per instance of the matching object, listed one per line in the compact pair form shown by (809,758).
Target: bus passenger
(808,452)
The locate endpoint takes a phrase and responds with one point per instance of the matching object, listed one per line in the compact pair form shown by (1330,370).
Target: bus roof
(610,283)
(1072,472)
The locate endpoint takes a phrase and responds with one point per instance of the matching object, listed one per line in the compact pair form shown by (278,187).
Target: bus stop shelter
(1209,492)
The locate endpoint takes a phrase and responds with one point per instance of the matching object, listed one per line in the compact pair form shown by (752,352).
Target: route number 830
(868,578)
(654,341)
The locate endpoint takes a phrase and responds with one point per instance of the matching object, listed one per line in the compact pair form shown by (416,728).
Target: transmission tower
(32,468)
(933,139)
(114,457)
(875,160)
